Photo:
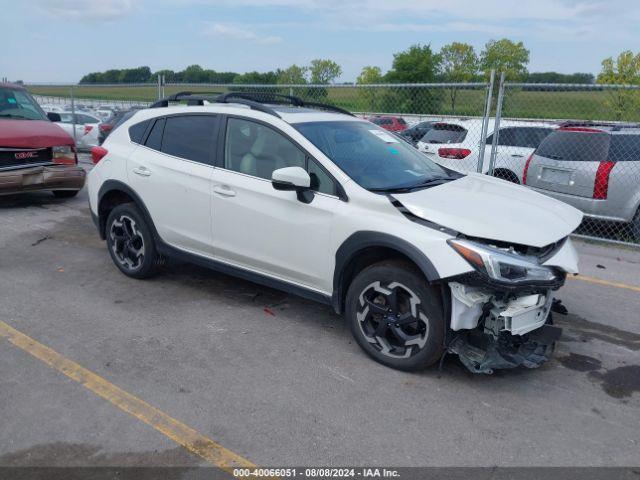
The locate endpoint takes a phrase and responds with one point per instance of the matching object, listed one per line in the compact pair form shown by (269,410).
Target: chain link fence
(577,143)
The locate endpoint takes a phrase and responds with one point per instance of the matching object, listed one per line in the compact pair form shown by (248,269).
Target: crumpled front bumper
(50,177)
(496,330)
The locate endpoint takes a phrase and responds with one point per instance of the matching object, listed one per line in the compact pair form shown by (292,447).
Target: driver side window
(257,150)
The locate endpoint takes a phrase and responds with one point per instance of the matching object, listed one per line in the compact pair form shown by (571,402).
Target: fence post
(485,122)
(73,115)
(496,126)
(159,88)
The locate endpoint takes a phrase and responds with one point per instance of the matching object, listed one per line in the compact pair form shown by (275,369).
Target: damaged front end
(501,312)
(500,330)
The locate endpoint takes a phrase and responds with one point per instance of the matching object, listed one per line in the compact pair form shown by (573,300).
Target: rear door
(567,161)
(172,174)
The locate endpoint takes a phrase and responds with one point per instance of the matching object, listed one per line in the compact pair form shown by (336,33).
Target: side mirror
(294,179)
(54,117)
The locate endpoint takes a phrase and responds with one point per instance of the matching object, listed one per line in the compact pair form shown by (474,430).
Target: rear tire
(65,193)
(130,242)
(395,316)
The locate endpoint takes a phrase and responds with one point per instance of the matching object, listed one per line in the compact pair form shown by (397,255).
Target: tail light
(105,127)
(454,153)
(526,169)
(64,155)
(97,154)
(601,185)
(87,129)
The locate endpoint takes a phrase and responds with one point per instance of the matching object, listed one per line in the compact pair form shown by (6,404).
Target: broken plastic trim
(483,353)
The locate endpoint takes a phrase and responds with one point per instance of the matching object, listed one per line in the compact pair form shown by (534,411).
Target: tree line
(455,62)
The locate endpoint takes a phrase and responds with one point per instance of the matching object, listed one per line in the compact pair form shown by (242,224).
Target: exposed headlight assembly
(502,266)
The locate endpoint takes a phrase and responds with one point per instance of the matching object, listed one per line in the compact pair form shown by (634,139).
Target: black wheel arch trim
(116,185)
(362,240)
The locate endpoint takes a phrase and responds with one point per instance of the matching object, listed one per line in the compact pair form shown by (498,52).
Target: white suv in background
(306,198)
(455,145)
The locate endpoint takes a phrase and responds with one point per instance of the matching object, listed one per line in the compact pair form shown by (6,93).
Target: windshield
(18,104)
(371,156)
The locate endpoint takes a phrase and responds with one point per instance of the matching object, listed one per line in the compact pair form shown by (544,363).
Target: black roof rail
(192,98)
(254,100)
(279,99)
(198,98)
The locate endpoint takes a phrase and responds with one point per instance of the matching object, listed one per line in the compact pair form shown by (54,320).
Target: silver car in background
(592,166)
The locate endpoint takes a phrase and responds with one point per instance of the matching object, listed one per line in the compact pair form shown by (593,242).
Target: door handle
(142,171)
(224,190)
(517,155)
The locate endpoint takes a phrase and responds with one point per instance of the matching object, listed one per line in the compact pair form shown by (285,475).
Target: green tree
(505,56)
(458,64)
(257,78)
(324,71)
(370,75)
(371,95)
(294,75)
(624,70)
(417,64)
(194,74)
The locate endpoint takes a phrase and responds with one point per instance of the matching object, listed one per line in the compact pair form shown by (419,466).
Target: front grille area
(11,157)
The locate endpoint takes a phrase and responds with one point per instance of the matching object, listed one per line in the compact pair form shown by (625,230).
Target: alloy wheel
(127,242)
(391,319)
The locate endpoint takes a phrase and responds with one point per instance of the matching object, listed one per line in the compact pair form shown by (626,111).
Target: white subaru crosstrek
(306,198)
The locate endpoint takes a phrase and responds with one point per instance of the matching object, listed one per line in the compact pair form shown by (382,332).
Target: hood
(486,207)
(32,134)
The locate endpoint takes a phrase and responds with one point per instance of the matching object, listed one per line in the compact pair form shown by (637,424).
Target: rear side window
(154,140)
(575,146)
(136,132)
(445,133)
(624,148)
(529,137)
(190,137)
(401,121)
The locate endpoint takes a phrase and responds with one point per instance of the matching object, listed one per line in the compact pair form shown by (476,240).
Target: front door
(265,230)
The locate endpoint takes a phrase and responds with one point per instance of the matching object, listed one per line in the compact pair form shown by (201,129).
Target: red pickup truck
(35,153)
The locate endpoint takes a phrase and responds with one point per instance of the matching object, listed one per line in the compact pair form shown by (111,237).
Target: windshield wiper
(432,182)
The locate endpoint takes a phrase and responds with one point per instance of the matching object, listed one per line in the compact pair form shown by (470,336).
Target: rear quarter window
(575,146)
(137,131)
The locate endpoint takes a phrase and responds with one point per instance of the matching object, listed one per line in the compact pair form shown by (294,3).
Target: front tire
(130,242)
(395,316)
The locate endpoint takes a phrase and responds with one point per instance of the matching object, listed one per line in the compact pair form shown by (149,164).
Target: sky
(61,40)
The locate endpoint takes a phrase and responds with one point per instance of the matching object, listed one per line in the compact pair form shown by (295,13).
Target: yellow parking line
(599,281)
(174,429)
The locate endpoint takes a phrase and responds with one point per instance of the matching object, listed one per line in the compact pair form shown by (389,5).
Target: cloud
(235,32)
(101,10)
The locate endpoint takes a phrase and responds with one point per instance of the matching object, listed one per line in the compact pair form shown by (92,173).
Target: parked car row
(35,153)
(89,126)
